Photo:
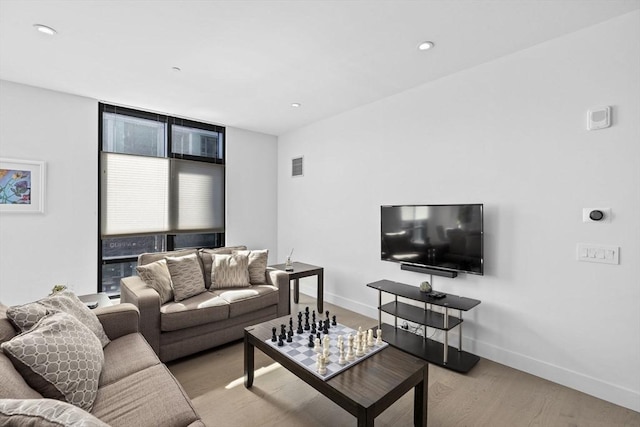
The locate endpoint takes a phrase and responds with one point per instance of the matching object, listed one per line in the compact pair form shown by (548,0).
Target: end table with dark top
(301,270)
(101,298)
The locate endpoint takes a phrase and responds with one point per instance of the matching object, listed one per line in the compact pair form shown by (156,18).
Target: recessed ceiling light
(45,30)
(296,104)
(425,45)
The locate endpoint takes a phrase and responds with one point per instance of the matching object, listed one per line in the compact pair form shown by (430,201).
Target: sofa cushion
(206,255)
(12,385)
(152,395)
(44,413)
(124,356)
(186,276)
(258,260)
(60,302)
(246,300)
(156,275)
(60,358)
(230,271)
(197,310)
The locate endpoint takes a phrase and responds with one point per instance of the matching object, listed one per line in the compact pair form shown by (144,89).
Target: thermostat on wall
(599,118)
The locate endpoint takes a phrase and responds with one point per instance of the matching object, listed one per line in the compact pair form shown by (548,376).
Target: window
(162,187)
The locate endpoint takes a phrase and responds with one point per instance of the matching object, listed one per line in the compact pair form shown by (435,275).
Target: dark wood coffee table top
(365,390)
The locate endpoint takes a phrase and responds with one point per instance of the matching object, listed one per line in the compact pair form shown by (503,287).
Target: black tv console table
(430,350)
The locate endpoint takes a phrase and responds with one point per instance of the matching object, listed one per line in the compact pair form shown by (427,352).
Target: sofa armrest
(280,279)
(118,320)
(133,290)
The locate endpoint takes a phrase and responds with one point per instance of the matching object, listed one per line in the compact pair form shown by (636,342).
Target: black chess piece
(280,341)
(327,313)
(313,316)
(290,336)
(299,330)
(320,325)
(273,337)
(334,322)
(311,342)
(319,336)
(283,329)
(290,322)
(313,328)
(306,310)
(325,330)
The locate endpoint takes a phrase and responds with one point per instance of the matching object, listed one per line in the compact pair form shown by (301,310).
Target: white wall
(251,190)
(510,134)
(60,246)
(38,251)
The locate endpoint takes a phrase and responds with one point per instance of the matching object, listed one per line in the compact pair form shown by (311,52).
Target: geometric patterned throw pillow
(257,265)
(186,276)
(156,276)
(44,413)
(60,358)
(230,271)
(27,315)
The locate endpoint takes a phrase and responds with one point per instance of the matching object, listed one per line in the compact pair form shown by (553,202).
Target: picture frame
(22,186)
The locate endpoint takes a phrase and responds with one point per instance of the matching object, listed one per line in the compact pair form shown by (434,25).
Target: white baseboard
(575,380)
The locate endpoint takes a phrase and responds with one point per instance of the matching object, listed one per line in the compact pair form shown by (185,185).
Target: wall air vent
(296,166)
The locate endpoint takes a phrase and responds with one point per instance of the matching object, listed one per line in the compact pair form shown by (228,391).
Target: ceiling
(243,63)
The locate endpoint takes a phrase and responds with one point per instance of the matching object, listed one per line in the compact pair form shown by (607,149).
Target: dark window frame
(219,237)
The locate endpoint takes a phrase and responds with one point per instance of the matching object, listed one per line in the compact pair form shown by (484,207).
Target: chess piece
(313,328)
(350,356)
(326,341)
(316,346)
(369,338)
(325,330)
(333,321)
(311,343)
(273,337)
(313,316)
(359,352)
(290,336)
(321,364)
(280,342)
(341,359)
(379,337)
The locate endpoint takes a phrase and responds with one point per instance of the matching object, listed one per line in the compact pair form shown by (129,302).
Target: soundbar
(427,270)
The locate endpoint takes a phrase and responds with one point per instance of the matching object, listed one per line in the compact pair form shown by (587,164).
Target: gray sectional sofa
(213,317)
(135,388)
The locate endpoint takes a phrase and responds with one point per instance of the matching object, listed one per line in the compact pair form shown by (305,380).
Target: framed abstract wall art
(22,184)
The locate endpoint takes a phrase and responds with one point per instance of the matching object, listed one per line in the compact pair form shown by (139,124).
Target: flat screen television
(438,237)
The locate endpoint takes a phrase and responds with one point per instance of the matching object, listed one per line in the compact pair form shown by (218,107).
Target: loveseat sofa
(134,389)
(217,312)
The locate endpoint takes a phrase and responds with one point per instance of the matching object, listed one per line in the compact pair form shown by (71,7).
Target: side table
(101,298)
(301,270)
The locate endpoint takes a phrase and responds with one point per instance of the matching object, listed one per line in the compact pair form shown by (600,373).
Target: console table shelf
(430,350)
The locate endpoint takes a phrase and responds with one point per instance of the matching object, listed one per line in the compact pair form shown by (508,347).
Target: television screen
(444,237)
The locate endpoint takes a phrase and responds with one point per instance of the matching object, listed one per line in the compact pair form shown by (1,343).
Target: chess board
(301,353)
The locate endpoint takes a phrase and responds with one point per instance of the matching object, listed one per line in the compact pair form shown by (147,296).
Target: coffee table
(364,390)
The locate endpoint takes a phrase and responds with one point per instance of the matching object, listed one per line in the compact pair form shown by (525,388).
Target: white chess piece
(369,338)
(322,368)
(317,347)
(350,355)
(326,341)
(359,351)
(379,337)
(341,359)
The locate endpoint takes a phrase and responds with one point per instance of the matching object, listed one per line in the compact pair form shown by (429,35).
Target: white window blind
(134,194)
(197,196)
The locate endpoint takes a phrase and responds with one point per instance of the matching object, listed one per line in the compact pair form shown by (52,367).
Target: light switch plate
(592,252)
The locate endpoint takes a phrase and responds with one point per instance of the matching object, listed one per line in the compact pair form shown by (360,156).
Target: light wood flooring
(490,395)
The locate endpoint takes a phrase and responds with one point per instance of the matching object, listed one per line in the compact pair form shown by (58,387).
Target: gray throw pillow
(45,413)
(257,265)
(186,276)
(156,275)
(25,316)
(60,358)
(230,271)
